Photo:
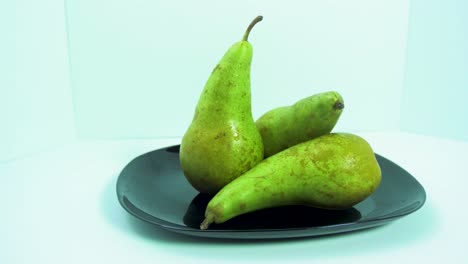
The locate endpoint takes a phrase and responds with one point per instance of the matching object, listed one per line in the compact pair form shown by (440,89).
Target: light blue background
(134,69)
(435,94)
(36,110)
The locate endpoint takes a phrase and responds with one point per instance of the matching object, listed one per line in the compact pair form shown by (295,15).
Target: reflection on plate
(153,188)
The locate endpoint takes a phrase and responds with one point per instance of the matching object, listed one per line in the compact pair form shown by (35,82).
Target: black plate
(153,188)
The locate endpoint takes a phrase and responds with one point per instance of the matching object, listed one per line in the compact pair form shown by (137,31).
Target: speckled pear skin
(334,171)
(222,142)
(307,119)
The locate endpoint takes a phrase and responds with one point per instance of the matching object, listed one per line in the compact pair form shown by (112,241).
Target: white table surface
(61,207)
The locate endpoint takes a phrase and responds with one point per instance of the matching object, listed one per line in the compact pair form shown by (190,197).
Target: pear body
(334,171)
(222,142)
(307,119)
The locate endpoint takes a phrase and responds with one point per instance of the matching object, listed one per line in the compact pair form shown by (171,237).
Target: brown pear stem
(209,218)
(338,105)
(252,24)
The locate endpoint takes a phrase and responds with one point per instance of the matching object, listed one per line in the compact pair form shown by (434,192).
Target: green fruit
(334,171)
(222,142)
(307,119)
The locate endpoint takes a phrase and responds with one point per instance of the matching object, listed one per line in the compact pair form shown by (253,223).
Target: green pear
(222,142)
(334,171)
(307,119)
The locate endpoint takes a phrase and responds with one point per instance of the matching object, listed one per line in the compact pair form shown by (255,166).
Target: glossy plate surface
(153,188)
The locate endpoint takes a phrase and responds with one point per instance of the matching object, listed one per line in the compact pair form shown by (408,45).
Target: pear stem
(338,105)
(252,24)
(209,218)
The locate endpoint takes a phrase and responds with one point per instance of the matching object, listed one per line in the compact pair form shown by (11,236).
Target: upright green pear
(222,142)
(334,171)
(308,118)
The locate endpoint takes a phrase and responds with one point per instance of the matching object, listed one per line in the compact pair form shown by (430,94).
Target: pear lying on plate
(307,119)
(333,171)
